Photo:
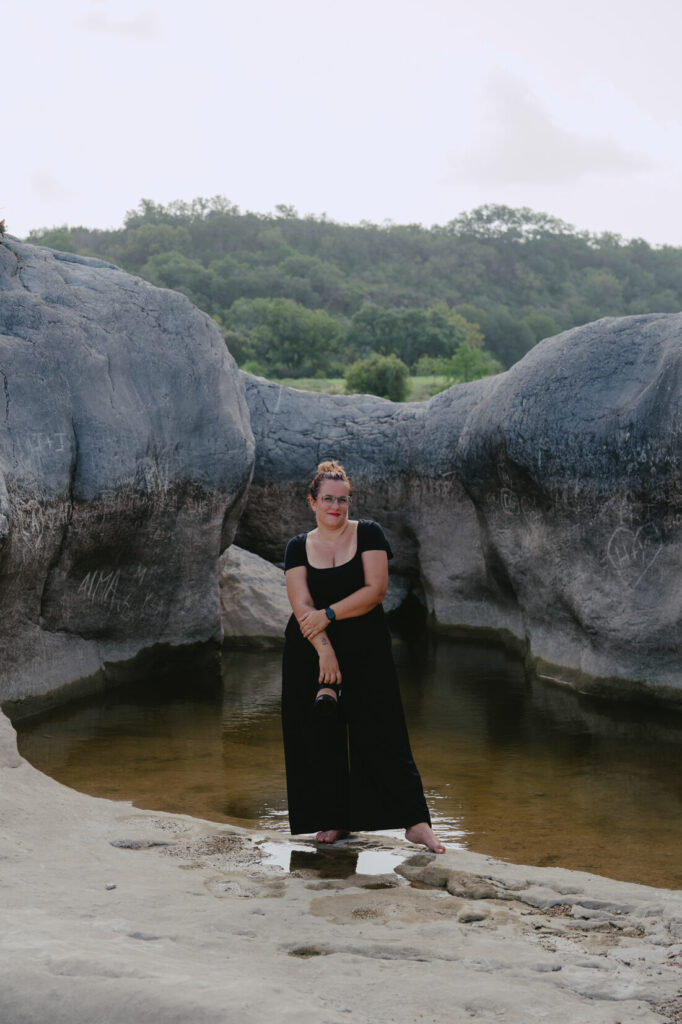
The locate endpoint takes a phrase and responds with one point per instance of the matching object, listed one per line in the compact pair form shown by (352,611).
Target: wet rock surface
(125,451)
(186,918)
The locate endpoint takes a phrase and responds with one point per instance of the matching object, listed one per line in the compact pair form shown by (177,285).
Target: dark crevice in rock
(68,500)
(17,259)
(5,385)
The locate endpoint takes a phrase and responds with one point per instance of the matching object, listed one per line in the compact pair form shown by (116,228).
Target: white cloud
(49,189)
(521,143)
(144,26)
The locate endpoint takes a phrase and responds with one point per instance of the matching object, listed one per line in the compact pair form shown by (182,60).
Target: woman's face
(329,510)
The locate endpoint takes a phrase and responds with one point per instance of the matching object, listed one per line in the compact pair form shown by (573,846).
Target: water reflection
(339,861)
(524,771)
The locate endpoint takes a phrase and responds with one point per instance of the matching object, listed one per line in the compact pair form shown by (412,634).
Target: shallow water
(527,772)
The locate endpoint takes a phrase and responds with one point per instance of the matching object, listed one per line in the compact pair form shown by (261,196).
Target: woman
(348,759)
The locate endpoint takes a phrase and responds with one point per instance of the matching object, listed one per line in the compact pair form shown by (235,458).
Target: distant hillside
(518,274)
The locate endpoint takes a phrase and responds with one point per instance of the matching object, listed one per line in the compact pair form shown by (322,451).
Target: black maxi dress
(356,772)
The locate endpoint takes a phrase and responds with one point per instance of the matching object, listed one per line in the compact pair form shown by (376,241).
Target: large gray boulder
(541,506)
(125,455)
(401,458)
(574,464)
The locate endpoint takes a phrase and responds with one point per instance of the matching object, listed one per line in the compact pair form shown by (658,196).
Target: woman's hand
(313,622)
(329,666)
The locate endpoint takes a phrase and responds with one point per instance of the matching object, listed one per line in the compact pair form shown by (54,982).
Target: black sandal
(324,702)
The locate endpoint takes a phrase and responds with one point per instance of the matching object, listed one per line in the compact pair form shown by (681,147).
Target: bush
(285,338)
(385,376)
(254,367)
(470,364)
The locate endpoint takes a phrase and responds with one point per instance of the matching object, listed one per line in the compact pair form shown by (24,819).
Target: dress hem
(362,828)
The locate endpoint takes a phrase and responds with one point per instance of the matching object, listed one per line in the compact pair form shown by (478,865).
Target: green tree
(541,325)
(56,238)
(410,333)
(183,274)
(284,338)
(507,336)
(142,243)
(470,364)
(518,274)
(385,376)
(602,290)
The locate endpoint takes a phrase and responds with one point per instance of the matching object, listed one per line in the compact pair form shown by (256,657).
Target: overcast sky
(403,110)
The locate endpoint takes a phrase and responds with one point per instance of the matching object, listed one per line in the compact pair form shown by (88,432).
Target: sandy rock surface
(110,914)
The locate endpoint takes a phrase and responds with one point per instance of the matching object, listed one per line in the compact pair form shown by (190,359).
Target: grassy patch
(425,387)
(420,387)
(327,385)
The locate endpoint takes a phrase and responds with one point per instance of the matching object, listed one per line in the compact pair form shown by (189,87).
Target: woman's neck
(332,536)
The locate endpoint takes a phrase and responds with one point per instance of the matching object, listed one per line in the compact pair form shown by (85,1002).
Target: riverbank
(113,914)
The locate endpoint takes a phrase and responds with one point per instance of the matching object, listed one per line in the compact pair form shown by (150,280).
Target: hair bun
(331,466)
(330,469)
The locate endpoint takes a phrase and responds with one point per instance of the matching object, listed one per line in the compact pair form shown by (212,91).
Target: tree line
(300,296)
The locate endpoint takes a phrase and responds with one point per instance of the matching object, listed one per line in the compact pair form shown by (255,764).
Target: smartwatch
(330,614)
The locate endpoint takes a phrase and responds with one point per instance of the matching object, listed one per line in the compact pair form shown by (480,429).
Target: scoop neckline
(327,568)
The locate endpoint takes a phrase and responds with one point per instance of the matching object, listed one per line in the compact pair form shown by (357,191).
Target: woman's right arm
(301,603)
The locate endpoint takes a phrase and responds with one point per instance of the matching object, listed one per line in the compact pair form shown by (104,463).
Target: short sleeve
(372,538)
(295,552)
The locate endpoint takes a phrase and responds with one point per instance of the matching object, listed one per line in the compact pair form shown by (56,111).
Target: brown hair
(329,470)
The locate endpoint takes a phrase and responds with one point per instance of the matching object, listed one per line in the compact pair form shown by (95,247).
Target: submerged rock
(541,505)
(125,452)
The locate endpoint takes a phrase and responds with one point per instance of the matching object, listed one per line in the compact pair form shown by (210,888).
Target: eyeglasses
(329,499)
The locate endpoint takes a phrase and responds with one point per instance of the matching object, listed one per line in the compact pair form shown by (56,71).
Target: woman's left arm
(375,568)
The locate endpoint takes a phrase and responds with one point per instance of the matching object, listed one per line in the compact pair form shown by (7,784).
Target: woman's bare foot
(423,833)
(332,835)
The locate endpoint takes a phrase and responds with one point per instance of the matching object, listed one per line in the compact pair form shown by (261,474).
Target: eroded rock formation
(542,504)
(125,453)
(574,464)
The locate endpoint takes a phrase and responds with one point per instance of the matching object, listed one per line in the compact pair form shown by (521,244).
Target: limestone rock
(9,755)
(125,452)
(574,464)
(541,505)
(254,607)
(92,932)
(400,458)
